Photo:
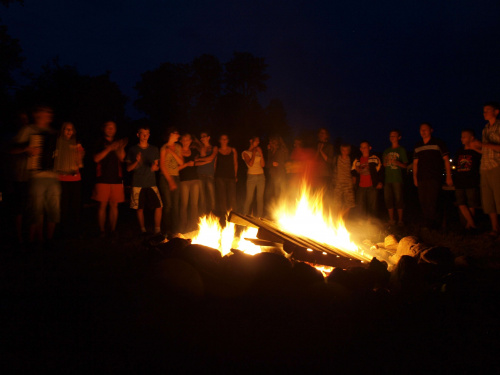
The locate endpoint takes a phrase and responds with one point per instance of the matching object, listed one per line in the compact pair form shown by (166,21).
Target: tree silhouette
(85,100)
(164,94)
(207,74)
(208,94)
(7,2)
(10,59)
(246,75)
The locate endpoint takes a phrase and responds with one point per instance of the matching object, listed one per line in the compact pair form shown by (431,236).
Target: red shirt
(365,179)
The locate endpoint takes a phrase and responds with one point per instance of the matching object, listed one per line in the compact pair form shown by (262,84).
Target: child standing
(395,160)
(343,192)
(466,178)
(490,164)
(368,168)
(143,159)
(67,163)
(256,181)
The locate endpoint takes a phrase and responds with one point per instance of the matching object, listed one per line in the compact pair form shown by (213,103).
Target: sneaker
(401,223)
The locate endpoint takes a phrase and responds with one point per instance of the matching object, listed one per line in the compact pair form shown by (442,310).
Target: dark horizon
(358,69)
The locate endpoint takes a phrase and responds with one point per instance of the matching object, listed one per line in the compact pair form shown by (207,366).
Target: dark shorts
(468,197)
(142,198)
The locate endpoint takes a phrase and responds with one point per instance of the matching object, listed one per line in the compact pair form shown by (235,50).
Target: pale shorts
(490,190)
(148,197)
(45,197)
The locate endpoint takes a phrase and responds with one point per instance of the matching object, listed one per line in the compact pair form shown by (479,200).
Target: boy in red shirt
(368,168)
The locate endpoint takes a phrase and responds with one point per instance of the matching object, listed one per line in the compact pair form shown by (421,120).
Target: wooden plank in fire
(299,244)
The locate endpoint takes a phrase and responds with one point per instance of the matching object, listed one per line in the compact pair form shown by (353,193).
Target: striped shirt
(430,159)
(491,135)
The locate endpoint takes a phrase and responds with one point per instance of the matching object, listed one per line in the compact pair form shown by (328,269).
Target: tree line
(204,94)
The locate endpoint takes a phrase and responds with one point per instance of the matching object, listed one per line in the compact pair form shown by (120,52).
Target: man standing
(430,155)
(38,141)
(143,159)
(109,183)
(490,164)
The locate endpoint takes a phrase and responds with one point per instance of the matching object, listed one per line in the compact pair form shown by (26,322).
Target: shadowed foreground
(97,305)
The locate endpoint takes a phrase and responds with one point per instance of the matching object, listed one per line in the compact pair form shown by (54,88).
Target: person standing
(490,164)
(189,186)
(466,178)
(277,156)
(343,191)
(256,181)
(206,169)
(368,168)
(68,161)
(170,159)
(109,183)
(38,141)
(395,161)
(226,176)
(431,156)
(143,159)
(323,161)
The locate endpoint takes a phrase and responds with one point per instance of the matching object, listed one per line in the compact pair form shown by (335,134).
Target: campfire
(303,229)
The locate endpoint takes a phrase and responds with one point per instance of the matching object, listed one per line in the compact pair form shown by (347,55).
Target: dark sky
(357,67)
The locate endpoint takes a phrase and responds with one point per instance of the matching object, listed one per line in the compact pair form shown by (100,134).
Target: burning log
(301,247)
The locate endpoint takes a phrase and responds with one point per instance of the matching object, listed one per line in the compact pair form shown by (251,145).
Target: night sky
(359,68)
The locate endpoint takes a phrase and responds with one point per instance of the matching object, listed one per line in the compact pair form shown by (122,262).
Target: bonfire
(305,217)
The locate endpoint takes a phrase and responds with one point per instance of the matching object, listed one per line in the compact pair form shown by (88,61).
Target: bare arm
(155,166)
(178,159)
(131,166)
(478,146)
(249,160)
(207,159)
(102,154)
(185,165)
(164,171)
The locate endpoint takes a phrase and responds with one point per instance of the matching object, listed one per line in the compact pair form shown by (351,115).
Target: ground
(90,305)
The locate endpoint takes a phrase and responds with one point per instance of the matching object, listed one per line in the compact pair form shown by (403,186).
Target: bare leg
(467,215)
(400,215)
(390,211)
(113,215)
(101,216)
(140,217)
(50,230)
(494,221)
(157,218)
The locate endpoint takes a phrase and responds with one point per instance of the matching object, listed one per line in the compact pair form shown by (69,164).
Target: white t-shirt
(256,167)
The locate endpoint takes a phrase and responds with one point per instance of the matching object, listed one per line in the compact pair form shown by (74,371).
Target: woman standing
(189,187)
(67,163)
(170,159)
(226,171)
(206,169)
(256,180)
(277,156)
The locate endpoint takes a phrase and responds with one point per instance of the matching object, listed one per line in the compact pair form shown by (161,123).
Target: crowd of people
(189,176)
